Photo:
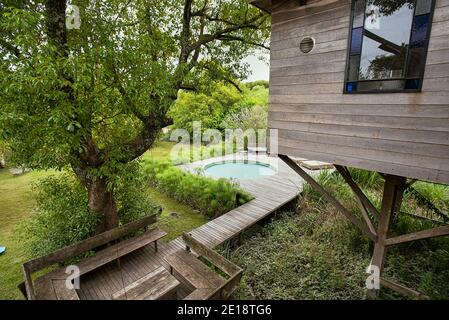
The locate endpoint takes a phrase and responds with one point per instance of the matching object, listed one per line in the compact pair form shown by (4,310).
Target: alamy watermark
(73,19)
(72,282)
(373,280)
(210,143)
(204,143)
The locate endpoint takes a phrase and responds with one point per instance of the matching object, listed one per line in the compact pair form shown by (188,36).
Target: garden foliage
(62,216)
(209,196)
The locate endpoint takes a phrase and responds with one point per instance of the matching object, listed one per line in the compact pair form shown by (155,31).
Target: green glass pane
(423,7)
(359,13)
(353,72)
(416,62)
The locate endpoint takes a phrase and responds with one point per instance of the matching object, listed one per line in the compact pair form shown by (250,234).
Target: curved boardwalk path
(269,193)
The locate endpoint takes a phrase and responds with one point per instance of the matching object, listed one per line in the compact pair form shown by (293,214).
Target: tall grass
(315,253)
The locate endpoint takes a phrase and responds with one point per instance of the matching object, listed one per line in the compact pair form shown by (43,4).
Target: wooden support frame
(402,290)
(365,205)
(431,233)
(357,191)
(361,226)
(392,195)
(394,188)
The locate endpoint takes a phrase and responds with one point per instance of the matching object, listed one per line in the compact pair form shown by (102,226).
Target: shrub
(62,216)
(257,83)
(131,195)
(210,109)
(254,117)
(209,196)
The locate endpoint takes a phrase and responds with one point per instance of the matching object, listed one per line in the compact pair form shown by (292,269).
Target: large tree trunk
(101,201)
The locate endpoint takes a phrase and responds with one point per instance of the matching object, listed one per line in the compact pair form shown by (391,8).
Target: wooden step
(157,285)
(194,272)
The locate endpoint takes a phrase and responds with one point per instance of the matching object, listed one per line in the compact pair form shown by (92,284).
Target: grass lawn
(176,218)
(16,204)
(160,151)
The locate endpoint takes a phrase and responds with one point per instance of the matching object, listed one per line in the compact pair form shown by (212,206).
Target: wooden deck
(269,193)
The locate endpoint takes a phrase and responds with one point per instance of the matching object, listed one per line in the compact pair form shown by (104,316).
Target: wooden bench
(52,286)
(157,285)
(201,278)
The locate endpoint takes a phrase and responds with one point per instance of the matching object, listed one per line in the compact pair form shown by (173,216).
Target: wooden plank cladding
(405,133)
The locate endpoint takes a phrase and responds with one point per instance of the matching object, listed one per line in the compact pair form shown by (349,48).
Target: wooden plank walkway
(269,193)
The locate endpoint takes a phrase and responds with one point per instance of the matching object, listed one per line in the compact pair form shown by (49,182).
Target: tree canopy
(95,98)
(214,107)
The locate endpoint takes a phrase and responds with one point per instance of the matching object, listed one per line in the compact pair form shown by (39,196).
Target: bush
(210,109)
(209,196)
(255,117)
(62,216)
(132,197)
(258,83)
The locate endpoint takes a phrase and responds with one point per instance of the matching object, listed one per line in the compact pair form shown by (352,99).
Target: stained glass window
(388,45)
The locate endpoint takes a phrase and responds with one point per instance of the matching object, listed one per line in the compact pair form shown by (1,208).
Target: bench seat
(194,272)
(205,283)
(51,286)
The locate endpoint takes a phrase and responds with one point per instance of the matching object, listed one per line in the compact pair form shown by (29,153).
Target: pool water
(241,170)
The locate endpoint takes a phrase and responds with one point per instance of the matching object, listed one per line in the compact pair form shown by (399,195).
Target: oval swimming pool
(241,170)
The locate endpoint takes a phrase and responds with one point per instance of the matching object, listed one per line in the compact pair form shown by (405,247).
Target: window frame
(405,78)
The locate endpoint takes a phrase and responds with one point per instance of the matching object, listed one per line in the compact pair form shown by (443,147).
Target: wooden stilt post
(393,192)
(391,202)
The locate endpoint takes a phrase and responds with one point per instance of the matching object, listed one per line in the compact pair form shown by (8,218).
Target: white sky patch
(260,69)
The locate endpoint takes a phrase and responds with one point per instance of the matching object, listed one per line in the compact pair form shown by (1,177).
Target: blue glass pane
(351,86)
(412,84)
(419,31)
(356,40)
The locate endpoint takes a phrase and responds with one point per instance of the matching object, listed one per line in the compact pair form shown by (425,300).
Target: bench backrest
(233,271)
(78,248)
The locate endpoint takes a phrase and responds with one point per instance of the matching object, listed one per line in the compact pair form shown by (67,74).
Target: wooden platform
(270,194)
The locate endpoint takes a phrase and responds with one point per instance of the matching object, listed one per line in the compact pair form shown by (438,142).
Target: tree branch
(230,81)
(10,48)
(205,39)
(185,33)
(236,38)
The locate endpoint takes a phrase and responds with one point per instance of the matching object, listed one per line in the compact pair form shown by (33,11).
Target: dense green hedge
(209,196)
